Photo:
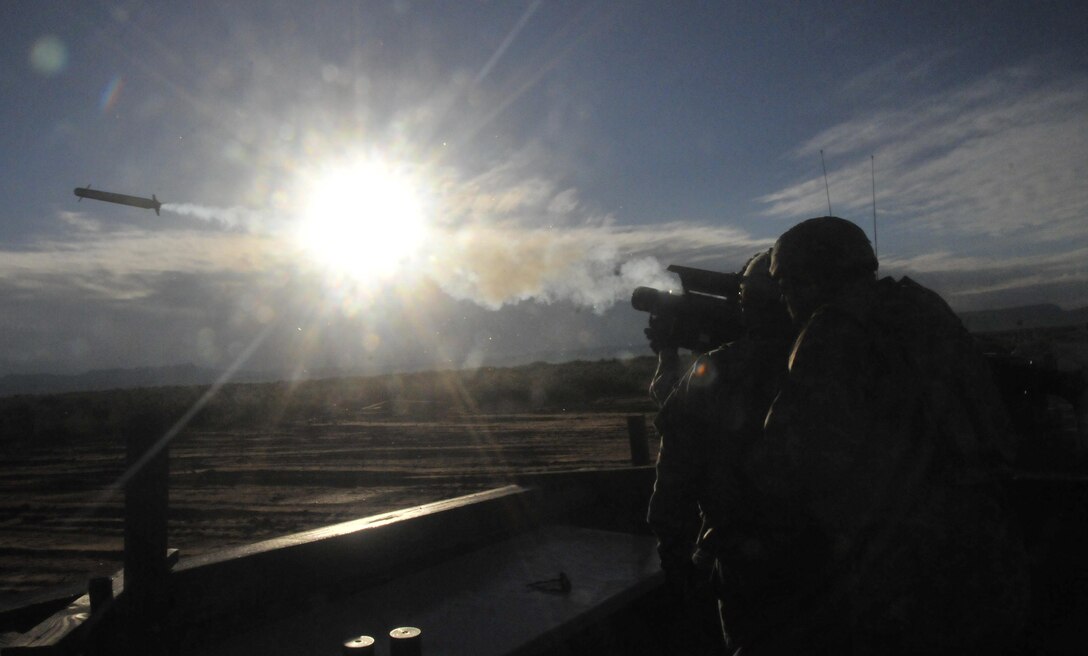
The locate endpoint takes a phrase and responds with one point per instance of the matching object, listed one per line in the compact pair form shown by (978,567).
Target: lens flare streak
(110,94)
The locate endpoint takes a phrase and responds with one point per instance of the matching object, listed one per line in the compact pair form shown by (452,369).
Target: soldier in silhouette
(876,480)
(709,418)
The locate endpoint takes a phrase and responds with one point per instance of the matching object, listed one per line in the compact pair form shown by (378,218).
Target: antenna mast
(826,187)
(876,241)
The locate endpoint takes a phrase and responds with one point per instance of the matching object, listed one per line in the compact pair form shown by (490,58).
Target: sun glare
(363,220)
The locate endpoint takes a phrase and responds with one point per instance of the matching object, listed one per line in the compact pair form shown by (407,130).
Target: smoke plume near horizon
(496,267)
(592,266)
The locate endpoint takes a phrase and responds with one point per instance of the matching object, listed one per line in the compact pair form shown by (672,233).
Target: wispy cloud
(979,282)
(110,265)
(79,221)
(595,263)
(1003,155)
(980,187)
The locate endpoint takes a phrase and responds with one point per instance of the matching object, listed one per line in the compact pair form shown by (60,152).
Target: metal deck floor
(478,603)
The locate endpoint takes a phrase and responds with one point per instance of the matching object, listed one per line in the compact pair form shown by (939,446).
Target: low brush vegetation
(537,387)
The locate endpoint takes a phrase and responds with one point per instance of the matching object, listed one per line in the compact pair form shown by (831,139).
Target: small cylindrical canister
(405,641)
(360,646)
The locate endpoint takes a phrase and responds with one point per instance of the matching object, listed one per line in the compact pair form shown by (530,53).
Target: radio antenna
(876,241)
(826,187)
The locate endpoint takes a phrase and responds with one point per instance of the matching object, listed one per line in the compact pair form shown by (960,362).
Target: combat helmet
(826,248)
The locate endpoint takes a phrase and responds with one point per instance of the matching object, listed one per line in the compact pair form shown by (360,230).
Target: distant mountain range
(1028,316)
(982,321)
(189,374)
(104,379)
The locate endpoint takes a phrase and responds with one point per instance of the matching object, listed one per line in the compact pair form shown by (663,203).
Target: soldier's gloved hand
(676,562)
(660,332)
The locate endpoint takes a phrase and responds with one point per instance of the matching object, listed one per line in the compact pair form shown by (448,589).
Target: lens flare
(48,55)
(110,94)
(363,220)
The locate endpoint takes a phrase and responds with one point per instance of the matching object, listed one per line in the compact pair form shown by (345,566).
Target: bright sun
(363,219)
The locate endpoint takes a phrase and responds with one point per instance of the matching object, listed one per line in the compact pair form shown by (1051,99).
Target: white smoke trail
(229,217)
(496,267)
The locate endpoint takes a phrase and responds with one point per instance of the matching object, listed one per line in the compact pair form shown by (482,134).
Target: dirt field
(60,522)
(338,450)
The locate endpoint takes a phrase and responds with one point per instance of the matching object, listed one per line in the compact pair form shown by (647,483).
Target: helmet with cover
(826,248)
(815,259)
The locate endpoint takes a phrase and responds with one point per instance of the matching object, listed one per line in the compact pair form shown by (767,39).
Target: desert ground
(263,460)
(61,512)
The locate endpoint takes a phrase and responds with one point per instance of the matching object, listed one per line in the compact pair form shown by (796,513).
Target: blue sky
(553,155)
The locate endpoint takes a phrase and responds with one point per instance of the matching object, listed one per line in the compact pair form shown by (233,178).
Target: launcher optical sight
(703,316)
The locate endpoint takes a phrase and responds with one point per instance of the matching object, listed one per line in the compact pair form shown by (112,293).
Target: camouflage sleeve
(814,427)
(673,511)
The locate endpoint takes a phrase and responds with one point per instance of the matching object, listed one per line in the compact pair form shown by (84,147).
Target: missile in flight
(121,199)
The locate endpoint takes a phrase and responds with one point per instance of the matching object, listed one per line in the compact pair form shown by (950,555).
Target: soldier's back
(887,435)
(960,560)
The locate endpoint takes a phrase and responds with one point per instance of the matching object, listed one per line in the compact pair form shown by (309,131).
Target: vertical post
(1081,410)
(146,504)
(636,432)
(100,590)
(99,631)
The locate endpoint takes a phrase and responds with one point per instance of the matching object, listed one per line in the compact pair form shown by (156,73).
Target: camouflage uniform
(707,425)
(880,463)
